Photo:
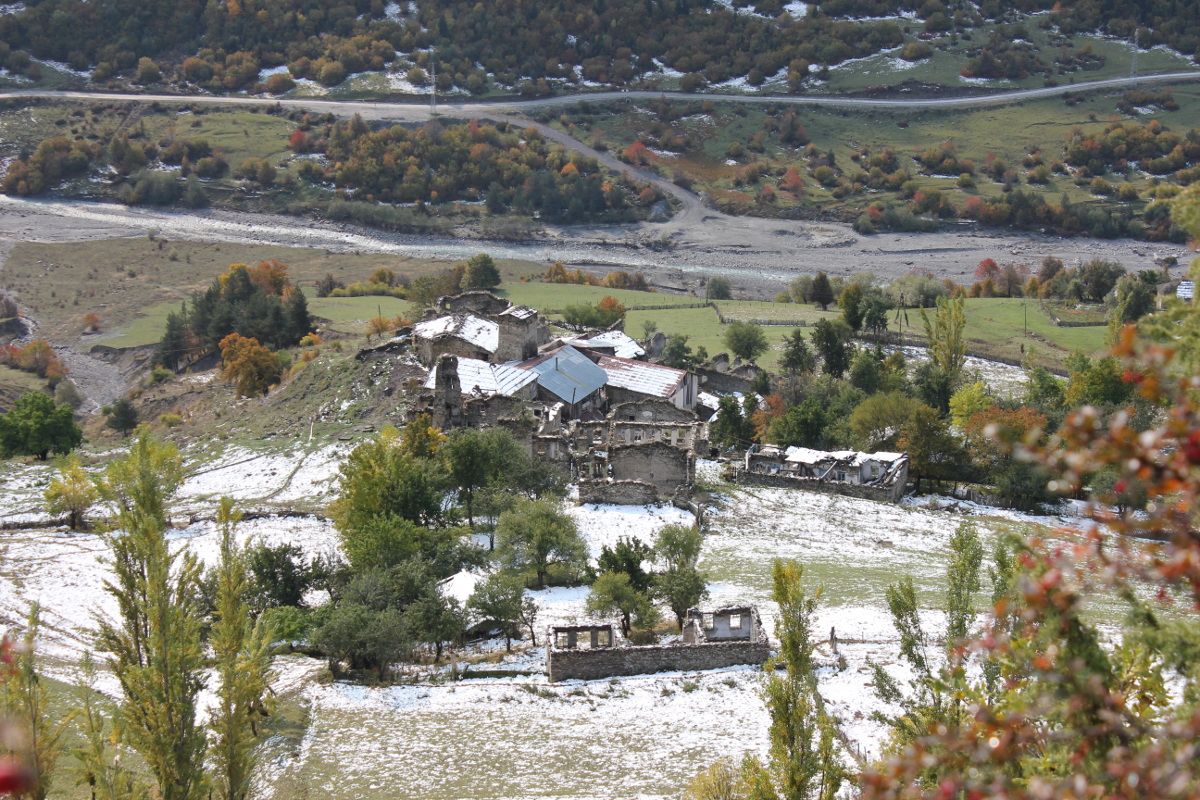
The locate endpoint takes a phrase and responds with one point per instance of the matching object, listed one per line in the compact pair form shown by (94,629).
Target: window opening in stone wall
(735,622)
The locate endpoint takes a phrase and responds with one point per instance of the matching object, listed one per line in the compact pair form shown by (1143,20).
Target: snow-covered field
(521,737)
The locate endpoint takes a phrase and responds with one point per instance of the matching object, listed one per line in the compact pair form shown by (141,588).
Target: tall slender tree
(242,655)
(945,335)
(804,763)
(26,703)
(153,645)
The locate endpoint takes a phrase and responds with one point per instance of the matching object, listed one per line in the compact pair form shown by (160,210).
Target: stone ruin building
(874,476)
(624,427)
(716,639)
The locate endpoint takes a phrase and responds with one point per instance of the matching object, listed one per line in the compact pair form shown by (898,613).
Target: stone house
(590,652)
(878,476)
(479,325)
(567,376)
(463,335)
(630,380)
(729,624)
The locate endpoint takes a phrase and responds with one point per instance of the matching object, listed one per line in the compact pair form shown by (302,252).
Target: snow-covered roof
(566,373)
(459,586)
(623,345)
(639,376)
(519,312)
(805,455)
(1186,290)
(482,333)
(883,458)
(480,377)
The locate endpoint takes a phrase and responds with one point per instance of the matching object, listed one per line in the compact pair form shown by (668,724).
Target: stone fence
(620,493)
(610,662)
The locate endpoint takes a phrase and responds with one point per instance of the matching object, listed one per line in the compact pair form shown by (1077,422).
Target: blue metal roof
(567,374)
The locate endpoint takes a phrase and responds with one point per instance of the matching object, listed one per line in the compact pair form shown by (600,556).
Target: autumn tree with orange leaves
(1069,713)
(252,367)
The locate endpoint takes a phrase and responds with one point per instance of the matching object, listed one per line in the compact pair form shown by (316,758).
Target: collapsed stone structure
(874,476)
(479,325)
(716,639)
(623,426)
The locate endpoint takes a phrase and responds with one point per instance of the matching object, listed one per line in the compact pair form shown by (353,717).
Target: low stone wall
(721,382)
(884,494)
(619,493)
(590,665)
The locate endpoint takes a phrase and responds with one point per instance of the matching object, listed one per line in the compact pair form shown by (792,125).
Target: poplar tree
(105,776)
(804,763)
(153,646)
(242,656)
(945,336)
(26,704)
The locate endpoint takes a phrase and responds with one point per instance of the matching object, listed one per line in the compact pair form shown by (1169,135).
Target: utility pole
(1133,68)
(432,82)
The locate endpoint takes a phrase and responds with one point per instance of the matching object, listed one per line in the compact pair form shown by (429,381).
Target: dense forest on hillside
(224,46)
(508,169)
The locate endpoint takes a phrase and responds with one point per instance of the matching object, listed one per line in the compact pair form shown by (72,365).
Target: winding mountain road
(692,211)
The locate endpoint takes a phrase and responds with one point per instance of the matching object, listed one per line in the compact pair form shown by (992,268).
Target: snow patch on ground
(282,69)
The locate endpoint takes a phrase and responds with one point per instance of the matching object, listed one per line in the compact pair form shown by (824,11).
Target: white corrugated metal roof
(641,377)
(624,345)
(1186,290)
(482,333)
(480,377)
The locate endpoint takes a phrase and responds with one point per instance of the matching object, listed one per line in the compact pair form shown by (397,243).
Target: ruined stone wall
(721,382)
(518,339)
(684,435)
(429,349)
(661,464)
(649,410)
(486,412)
(477,302)
(890,493)
(589,665)
(618,493)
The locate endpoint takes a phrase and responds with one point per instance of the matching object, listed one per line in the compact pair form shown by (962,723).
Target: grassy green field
(350,314)
(135,282)
(995,326)
(948,58)
(238,133)
(556,296)
(14,383)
